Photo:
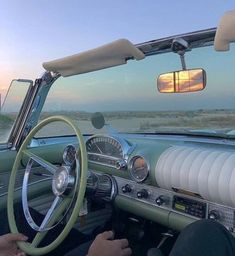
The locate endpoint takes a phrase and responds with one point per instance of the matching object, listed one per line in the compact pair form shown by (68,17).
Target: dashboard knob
(160,200)
(121,164)
(143,193)
(126,189)
(214,215)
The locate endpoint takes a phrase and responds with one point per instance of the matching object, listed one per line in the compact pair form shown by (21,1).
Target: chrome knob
(143,193)
(160,201)
(214,215)
(126,189)
(121,164)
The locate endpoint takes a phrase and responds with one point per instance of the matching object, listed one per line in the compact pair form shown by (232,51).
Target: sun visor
(109,55)
(225,33)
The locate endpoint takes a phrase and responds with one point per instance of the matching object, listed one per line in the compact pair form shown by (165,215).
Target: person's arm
(8,246)
(105,245)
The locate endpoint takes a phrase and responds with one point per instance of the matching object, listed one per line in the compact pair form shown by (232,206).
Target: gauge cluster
(114,152)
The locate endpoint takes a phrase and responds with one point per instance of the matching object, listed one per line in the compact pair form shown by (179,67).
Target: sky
(34,31)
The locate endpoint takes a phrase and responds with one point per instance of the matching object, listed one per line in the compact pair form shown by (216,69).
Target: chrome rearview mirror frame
(182,81)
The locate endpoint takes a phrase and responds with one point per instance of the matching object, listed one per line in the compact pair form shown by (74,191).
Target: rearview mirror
(190,80)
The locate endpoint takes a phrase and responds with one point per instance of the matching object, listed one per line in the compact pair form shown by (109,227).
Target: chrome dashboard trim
(102,164)
(104,156)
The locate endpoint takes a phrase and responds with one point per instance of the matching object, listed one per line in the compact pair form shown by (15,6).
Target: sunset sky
(34,31)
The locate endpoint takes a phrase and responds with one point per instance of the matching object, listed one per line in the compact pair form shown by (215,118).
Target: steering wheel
(62,185)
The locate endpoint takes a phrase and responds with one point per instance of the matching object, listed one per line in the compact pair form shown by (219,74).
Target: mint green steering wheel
(61,184)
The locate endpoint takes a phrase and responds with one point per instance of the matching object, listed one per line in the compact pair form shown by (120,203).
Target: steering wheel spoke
(42,162)
(55,203)
(53,214)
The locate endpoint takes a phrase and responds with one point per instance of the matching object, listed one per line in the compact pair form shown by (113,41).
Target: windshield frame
(196,39)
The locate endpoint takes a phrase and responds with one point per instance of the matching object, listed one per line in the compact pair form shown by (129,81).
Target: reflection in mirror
(190,80)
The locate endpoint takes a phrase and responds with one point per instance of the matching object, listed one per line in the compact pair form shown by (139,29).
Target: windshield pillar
(33,105)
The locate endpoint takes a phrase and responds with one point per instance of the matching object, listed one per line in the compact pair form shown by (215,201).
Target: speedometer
(105,146)
(105,150)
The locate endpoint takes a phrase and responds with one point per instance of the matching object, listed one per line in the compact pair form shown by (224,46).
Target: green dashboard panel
(159,215)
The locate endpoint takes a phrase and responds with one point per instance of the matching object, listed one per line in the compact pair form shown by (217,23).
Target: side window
(11,107)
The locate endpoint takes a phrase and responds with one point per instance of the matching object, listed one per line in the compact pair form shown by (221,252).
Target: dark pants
(204,238)
(73,239)
(81,250)
(201,238)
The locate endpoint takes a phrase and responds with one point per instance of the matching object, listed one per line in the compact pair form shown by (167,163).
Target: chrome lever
(165,235)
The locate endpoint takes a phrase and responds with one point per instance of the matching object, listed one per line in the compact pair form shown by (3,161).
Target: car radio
(189,206)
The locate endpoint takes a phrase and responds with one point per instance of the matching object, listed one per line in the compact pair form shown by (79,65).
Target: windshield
(127,96)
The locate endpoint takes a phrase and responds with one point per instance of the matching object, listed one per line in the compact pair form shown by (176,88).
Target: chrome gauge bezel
(65,154)
(125,151)
(130,168)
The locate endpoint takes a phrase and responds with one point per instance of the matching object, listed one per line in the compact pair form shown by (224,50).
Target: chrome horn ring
(63,183)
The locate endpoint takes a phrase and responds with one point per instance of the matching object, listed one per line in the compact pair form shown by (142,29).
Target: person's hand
(105,245)
(8,246)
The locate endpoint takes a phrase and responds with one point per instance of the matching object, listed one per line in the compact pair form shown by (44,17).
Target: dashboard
(173,180)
